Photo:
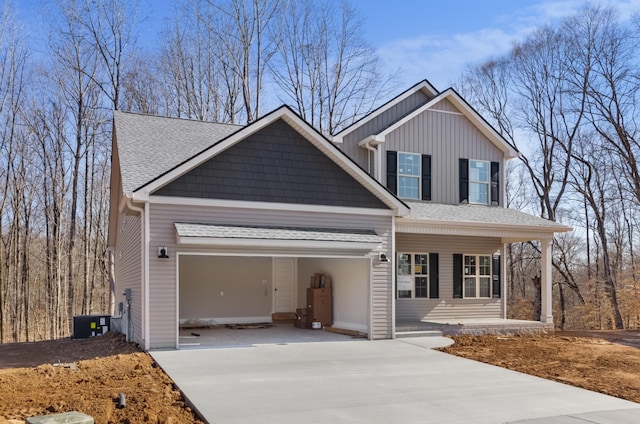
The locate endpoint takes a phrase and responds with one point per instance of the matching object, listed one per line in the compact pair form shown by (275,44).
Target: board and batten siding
(128,270)
(375,125)
(446,307)
(162,272)
(447,137)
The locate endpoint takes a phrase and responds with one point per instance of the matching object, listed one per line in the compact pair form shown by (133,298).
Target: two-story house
(438,155)
(404,210)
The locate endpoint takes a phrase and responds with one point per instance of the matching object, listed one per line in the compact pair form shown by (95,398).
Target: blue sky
(432,39)
(435,39)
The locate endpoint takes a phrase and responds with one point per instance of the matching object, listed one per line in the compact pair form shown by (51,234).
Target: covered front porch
(469,244)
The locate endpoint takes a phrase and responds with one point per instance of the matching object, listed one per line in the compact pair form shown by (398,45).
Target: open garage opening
(216,292)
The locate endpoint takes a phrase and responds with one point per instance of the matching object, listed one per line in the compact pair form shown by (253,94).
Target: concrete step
(418,333)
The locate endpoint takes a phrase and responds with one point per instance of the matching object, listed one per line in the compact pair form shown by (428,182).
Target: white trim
(487,183)
(423,226)
(546,281)
(418,177)
(467,111)
(370,320)
(505,235)
(178,301)
(503,279)
(413,275)
(270,243)
(144,275)
(423,86)
(273,255)
(449,112)
(392,259)
(477,276)
(245,204)
(147,312)
(325,146)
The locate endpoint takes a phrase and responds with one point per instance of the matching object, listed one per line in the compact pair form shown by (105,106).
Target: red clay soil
(600,364)
(30,384)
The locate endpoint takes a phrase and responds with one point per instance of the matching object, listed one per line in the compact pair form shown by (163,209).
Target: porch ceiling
(476,220)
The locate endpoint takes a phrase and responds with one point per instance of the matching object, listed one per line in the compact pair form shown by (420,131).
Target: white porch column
(546,313)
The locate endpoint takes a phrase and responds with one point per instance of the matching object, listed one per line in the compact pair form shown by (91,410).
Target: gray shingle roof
(149,146)
(478,214)
(275,233)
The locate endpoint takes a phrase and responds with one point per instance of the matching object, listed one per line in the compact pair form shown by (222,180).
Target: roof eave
(558,228)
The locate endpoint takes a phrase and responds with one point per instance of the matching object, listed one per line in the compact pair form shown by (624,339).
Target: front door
(284,279)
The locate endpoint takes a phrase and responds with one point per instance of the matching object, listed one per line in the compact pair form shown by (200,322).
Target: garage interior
(216,292)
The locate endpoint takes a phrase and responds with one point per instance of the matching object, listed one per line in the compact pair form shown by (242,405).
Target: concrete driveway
(387,381)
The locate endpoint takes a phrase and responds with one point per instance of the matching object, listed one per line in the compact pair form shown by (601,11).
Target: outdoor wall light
(163,252)
(383,258)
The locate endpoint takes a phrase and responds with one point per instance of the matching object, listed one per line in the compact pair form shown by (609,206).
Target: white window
(413,275)
(409,175)
(477,276)
(479,181)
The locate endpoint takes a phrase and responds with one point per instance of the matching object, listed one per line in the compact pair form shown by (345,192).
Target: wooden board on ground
(352,333)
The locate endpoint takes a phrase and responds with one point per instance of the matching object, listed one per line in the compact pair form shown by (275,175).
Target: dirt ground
(30,384)
(603,361)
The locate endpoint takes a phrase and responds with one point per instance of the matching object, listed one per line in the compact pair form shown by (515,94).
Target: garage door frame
(368,256)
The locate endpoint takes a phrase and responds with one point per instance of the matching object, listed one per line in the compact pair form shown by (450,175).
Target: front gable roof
(424,86)
(277,165)
(469,112)
(204,141)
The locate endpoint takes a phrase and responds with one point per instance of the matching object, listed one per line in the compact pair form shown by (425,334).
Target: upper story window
(479,182)
(409,175)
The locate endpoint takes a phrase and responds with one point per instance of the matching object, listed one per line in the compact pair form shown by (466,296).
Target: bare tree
(592,178)
(323,66)
(240,28)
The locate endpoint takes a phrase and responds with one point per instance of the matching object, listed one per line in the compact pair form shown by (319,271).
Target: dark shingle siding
(276,164)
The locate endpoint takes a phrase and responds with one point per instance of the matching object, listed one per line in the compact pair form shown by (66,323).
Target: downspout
(367,146)
(143,243)
(371,143)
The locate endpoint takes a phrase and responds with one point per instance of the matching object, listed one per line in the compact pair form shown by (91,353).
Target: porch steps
(418,333)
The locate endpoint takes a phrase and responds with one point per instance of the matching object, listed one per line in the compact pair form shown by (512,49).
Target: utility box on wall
(85,326)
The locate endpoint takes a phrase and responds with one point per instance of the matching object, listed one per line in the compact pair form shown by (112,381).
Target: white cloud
(441,58)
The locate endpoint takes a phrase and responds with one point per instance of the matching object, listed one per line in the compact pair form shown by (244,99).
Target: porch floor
(476,327)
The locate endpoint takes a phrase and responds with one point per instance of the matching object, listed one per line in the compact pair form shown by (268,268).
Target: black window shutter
(496,277)
(426,177)
(464,180)
(392,171)
(495,183)
(457,276)
(434,287)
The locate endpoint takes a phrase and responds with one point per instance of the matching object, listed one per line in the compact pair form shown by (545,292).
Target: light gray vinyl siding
(128,270)
(447,137)
(162,274)
(446,307)
(376,124)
